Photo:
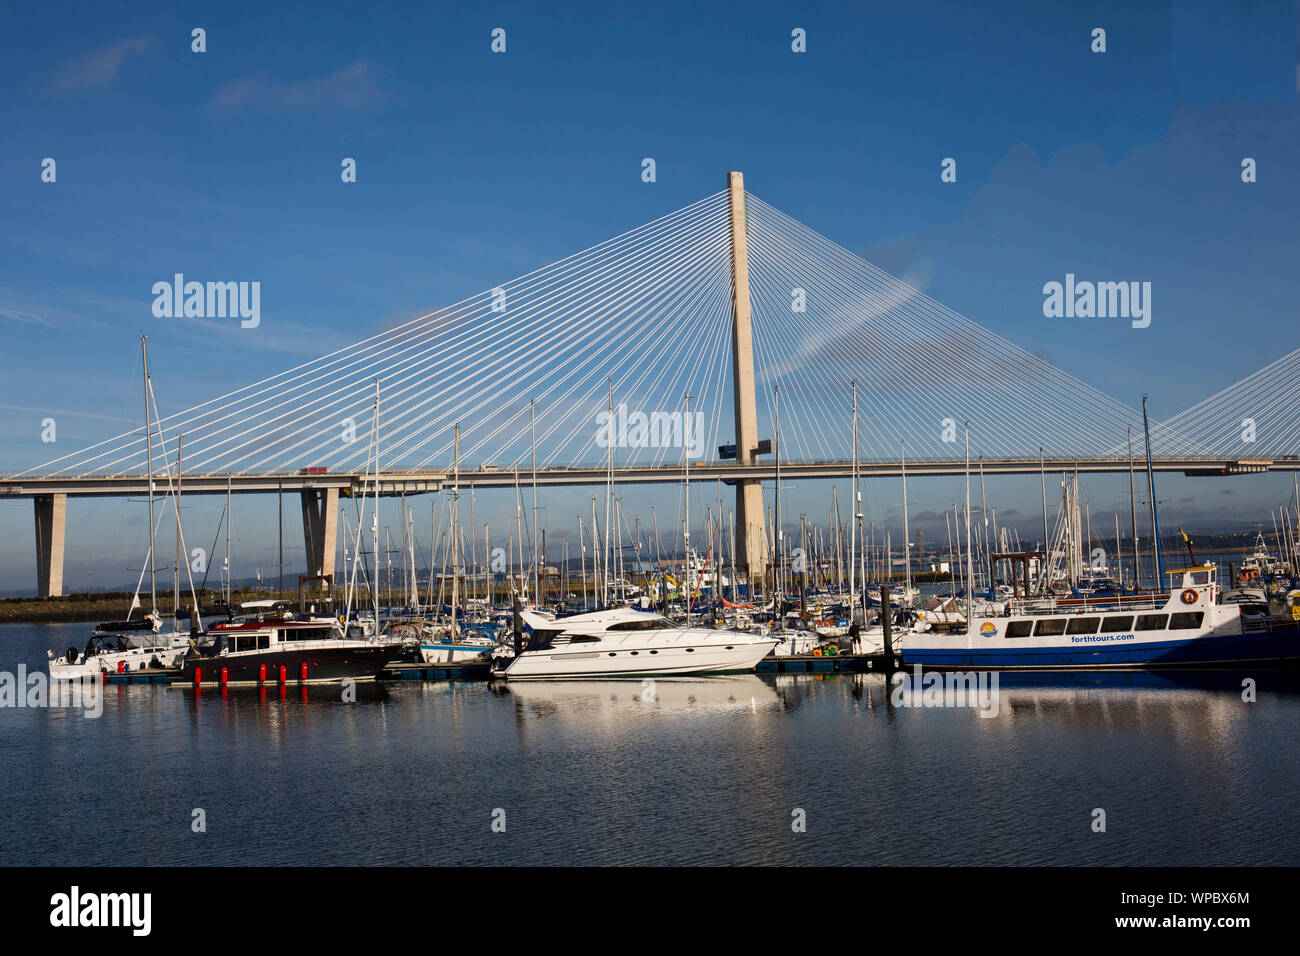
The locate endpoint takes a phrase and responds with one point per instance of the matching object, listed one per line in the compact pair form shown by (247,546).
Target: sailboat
(439,644)
(134,645)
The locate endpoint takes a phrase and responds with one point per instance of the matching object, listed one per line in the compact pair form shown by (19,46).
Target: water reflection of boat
(1211,679)
(673,695)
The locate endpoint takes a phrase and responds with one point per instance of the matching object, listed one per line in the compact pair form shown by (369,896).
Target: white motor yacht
(628,642)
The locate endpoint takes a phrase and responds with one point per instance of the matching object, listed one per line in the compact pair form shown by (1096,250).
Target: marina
(593,438)
(713,763)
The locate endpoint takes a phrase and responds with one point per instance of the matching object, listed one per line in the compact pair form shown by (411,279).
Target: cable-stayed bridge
(654,349)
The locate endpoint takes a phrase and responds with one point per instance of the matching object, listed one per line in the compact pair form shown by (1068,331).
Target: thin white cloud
(68,412)
(350,88)
(99,68)
(27,318)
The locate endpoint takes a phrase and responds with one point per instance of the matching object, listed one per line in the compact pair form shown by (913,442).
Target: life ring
(1189,596)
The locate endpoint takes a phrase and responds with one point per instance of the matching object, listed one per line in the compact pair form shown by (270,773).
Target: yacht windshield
(645,624)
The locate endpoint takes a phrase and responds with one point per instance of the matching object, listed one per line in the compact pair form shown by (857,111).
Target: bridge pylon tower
(750,527)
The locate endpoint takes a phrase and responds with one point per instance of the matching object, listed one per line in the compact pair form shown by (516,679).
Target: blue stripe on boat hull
(1247,648)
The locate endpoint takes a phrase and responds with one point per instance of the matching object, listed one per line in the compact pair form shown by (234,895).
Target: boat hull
(1215,650)
(324,665)
(116,662)
(578,665)
(432,653)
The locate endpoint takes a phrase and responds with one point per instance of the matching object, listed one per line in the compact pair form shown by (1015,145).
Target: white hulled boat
(626,642)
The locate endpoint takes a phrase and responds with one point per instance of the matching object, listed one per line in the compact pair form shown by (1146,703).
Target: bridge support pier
(750,526)
(320,516)
(51,521)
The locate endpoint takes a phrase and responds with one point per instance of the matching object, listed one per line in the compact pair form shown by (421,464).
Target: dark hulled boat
(308,651)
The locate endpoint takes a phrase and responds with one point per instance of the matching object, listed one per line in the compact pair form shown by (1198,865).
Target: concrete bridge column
(750,526)
(320,513)
(51,519)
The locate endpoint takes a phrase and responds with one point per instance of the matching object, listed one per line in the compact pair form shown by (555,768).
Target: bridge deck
(395,483)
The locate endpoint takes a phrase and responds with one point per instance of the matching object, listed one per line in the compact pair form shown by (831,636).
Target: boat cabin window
(1020,628)
(1152,622)
(1083,625)
(1186,621)
(649,624)
(250,642)
(1050,627)
(1109,624)
(305,633)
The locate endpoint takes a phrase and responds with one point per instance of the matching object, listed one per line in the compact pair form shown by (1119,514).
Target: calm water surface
(709,771)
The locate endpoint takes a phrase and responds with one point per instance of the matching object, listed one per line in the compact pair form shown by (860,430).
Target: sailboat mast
(532,425)
(148,432)
(970,568)
(984,517)
(609,494)
(519,531)
(1155,517)
(731,520)
(1133,515)
(455,531)
(855,519)
(228,516)
(374,517)
(1119,553)
(686,527)
(176,578)
(1047,548)
(595,561)
(776,525)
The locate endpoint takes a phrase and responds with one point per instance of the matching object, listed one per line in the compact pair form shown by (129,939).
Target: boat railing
(1074,605)
(1269,624)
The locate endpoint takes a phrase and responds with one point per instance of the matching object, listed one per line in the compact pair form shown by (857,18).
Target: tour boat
(271,650)
(1186,627)
(627,642)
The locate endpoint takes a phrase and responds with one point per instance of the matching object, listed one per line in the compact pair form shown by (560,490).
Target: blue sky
(475,167)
